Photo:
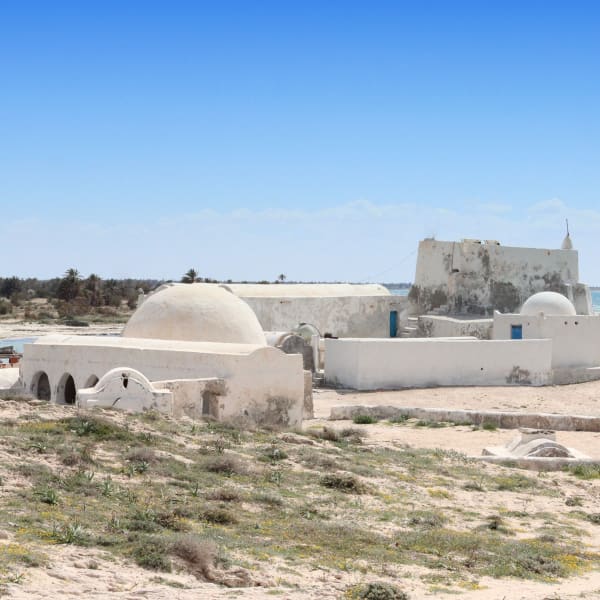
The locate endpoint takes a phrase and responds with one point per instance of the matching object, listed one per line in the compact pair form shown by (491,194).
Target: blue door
(393,323)
(516,332)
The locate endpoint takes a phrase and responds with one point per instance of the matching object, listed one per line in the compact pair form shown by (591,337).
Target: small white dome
(195,312)
(549,303)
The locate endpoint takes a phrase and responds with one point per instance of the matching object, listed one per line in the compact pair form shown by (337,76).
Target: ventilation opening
(92,380)
(125,381)
(41,387)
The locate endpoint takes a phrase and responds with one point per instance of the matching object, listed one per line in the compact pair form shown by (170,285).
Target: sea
(595,297)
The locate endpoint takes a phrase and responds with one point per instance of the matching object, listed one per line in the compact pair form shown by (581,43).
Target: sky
(321,140)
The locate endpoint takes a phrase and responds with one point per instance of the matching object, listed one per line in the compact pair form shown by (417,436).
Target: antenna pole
(567,220)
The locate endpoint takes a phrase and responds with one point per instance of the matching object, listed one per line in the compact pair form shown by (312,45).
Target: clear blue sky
(317,139)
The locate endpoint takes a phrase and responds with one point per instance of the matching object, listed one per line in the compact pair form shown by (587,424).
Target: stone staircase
(410,329)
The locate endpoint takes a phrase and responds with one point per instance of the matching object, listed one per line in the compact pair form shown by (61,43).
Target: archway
(41,386)
(66,392)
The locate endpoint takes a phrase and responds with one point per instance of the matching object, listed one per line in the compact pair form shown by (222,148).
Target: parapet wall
(393,364)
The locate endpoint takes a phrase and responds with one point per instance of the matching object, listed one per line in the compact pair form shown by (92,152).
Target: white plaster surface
(195,312)
(262,383)
(349,316)
(548,303)
(9,376)
(126,389)
(575,339)
(392,364)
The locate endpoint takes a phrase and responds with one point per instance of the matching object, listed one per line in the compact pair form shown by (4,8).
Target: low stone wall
(499,419)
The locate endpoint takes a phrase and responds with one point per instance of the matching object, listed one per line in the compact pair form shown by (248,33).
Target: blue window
(516,332)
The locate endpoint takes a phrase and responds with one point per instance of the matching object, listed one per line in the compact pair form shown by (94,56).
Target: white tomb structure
(188,349)
(547,342)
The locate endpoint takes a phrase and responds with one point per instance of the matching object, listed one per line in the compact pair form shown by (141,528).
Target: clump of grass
(47,496)
(226,464)
(152,553)
(228,430)
(218,516)
(344,483)
(593,518)
(376,591)
(474,486)
(142,454)
(514,482)
(364,419)
(274,453)
(73,456)
(225,494)
(327,433)
(497,523)
(574,501)
(426,518)
(149,521)
(199,554)
(398,419)
(267,498)
(330,434)
(431,424)
(318,460)
(69,533)
(585,471)
(489,426)
(101,429)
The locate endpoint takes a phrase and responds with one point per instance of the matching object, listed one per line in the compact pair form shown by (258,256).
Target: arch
(92,380)
(40,386)
(66,391)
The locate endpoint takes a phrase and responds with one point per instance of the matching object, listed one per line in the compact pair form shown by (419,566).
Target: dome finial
(567,243)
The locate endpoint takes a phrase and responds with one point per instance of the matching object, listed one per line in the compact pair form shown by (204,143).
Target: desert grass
(206,498)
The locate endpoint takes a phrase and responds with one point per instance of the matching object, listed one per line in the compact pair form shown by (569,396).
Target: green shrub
(364,419)
(344,483)
(378,591)
(152,553)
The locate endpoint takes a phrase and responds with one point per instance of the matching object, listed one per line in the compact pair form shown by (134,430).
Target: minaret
(567,243)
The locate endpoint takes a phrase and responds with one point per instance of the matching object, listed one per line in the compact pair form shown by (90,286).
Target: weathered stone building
(475,278)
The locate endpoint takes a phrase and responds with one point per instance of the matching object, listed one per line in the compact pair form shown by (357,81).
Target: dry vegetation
(207,503)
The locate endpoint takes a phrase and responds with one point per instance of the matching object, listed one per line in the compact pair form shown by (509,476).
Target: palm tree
(190,277)
(69,286)
(281,277)
(93,285)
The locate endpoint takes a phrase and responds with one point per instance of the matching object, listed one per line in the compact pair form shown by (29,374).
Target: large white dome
(195,312)
(549,303)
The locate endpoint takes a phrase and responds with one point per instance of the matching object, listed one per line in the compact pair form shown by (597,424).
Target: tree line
(73,294)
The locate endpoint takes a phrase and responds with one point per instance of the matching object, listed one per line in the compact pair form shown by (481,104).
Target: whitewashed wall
(258,379)
(391,364)
(348,316)
(575,339)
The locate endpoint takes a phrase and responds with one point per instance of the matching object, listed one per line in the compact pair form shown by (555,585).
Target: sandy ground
(579,399)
